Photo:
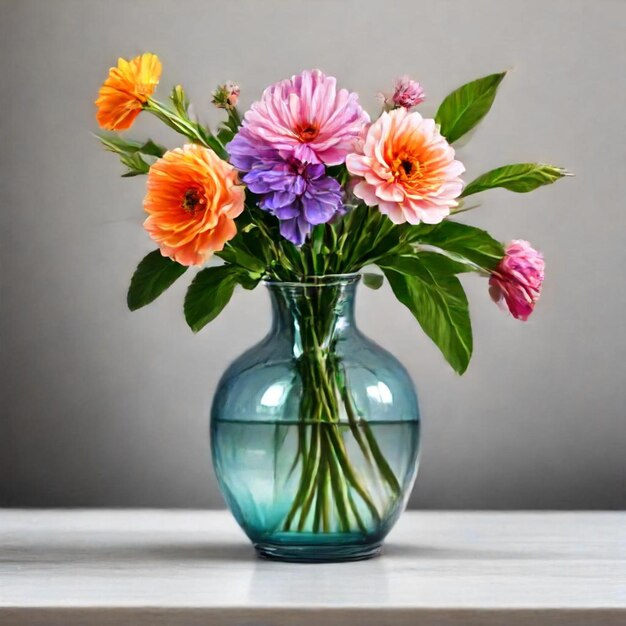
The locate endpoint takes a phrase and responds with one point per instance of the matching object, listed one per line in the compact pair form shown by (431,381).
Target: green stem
(356,513)
(371,449)
(309,470)
(352,418)
(329,484)
(308,501)
(319,500)
(338,486)
(190,129)
(351,477)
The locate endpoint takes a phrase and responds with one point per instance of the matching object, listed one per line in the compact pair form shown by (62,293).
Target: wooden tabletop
(149,567)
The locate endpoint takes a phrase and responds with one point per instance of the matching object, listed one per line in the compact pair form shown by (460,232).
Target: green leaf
(152,277)
(468,242)
(466,106)
(437,301)
(519,177)
(246,249)
(115,143)
(133,172)
(130,152)
(179,100)
(135,163)
(445,264)
(238,255)
(373,281)
(330,237)
(229,128)
(317,238)
(208,294)
(248,280)
(225,134)
(153,149)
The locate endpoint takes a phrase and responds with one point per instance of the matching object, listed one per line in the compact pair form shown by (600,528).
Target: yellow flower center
(406,168)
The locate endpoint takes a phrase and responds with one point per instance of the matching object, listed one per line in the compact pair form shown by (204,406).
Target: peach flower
(192,201)
(407,169)
(126,90)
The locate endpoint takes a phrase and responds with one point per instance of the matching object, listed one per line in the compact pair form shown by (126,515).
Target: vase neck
(314,315)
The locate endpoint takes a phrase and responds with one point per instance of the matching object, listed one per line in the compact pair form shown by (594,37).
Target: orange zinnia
(193,199)
(126,90)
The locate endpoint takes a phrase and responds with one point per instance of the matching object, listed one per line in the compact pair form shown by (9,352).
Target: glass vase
(315,430)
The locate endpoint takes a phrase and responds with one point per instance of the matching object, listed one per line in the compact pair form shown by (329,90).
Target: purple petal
(279,199)
(315,171)
(294,231)
(299,185)
(316,211)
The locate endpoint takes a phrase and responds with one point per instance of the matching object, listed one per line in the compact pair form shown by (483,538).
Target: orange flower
(192,201)
(126,90)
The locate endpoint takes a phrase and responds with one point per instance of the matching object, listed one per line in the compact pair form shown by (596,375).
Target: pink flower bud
(226,96)
(517,279)
(407,93)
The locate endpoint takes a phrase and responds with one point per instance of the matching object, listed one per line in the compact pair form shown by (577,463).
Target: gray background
(103,407)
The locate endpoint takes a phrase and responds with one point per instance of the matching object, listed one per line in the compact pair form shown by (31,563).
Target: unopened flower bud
(226,96)
(407,93)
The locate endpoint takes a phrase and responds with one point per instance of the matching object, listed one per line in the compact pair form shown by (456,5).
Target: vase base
(317,553)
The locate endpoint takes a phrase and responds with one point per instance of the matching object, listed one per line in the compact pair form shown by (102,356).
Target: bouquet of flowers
(306,185)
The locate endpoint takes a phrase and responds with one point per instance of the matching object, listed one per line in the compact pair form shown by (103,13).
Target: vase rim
(322,280)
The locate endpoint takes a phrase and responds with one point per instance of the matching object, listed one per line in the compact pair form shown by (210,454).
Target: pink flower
(306,118)
(407,93)
(517,279)
(407,168)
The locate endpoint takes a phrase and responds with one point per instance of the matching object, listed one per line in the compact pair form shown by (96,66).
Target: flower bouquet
(315,430)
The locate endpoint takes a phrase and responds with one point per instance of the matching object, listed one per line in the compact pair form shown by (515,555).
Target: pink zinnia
(305,117)
(407,169)
(517,279)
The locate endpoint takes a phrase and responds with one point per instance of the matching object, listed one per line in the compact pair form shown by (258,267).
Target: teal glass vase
(315,430)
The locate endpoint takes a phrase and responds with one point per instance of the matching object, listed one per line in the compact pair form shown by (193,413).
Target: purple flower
(300,195)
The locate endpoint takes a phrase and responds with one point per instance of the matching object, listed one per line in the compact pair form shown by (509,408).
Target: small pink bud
(226,96)
(407,93)
(517,279)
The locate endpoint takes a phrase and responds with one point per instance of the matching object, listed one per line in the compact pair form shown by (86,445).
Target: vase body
(315,430)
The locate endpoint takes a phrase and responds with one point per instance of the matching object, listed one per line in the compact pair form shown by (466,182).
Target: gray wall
(103,407)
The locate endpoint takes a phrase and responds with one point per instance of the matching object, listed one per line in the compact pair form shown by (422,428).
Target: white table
(145,567)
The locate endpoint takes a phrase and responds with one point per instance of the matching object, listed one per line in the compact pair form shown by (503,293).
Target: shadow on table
(417,552)
(239,551)
(123,552)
